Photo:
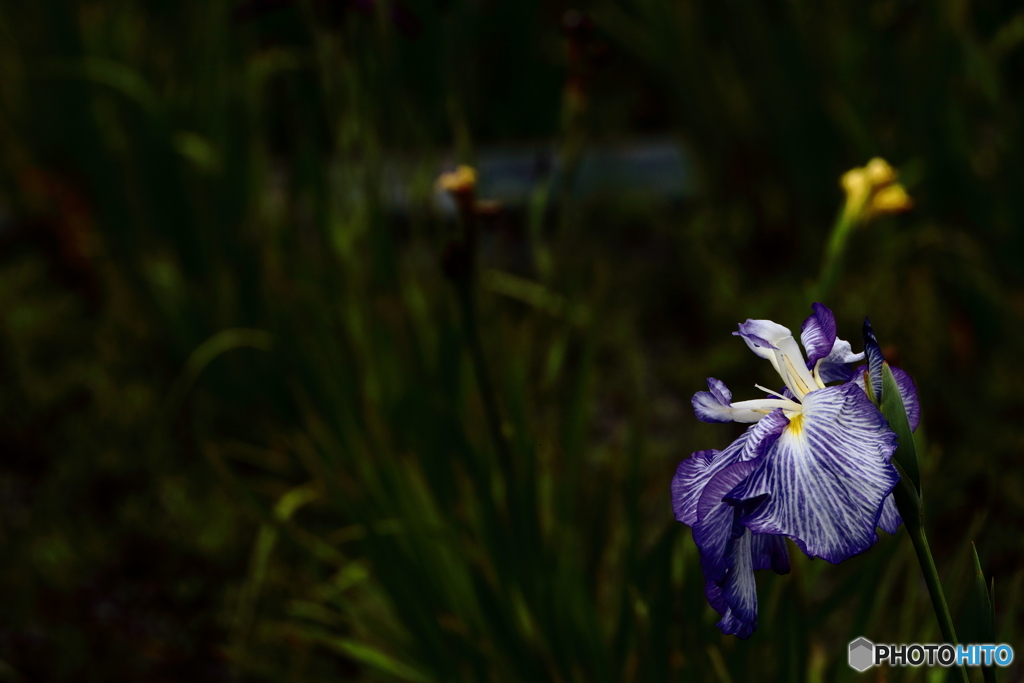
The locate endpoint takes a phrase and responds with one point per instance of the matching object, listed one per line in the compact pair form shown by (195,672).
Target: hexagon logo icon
(862,654)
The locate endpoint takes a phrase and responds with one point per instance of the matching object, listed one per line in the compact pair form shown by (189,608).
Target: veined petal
(713,405)
(890,519)
(836,366)
(769,551)
(694,473)
(737,591)
(714,527)
(735,595)
(729,624)
(826,477)
(818,334)
(762,336)
(715,521)
(874,355)
(691,477)
(908,392)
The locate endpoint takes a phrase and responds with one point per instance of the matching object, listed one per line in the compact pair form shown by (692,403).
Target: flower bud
(872,191)
(460,181)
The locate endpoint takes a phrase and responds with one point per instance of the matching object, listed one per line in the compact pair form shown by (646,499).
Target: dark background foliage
(242,432)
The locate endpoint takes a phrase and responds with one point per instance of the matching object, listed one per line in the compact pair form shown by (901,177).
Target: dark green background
(241,433)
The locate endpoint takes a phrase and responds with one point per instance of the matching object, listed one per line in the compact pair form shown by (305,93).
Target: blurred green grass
(241,430)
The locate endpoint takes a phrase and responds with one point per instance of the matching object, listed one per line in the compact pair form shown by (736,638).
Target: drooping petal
(735,596)
(818,334)
(769,551)
(729,624)
(826,477)
(694,473)
(714,527)
(714,524)
(836,366)
(691,477)
(738,589)
(874,355)
(890,519)
(908,392)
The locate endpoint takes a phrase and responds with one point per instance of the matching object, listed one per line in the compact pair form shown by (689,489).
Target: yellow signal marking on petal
(796,424)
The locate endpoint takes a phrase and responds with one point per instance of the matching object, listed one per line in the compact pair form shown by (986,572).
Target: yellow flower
(460,181)
(872,191)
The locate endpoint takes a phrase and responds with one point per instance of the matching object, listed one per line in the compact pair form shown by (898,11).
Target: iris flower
(814,467)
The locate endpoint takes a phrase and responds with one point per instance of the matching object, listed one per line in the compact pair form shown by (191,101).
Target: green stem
(909,504)
(465,287)
(483,378)
(931,578)
(833,260)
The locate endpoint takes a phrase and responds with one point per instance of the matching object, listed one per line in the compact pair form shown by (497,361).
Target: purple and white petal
(694,473)
(691,477)
(890,520)
(713,405)
(714,527)
(873,353)
(826,477)
(708,407)
(763,435)
(729,624)
(836,366)
(769,551)
(818,334)
(739,591)
(762,336)
(908,392)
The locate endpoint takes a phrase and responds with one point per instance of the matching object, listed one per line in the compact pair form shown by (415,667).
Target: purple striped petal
(713,592)
(714,526)
(890,519)
(738,588)
(713,405)
(735,596)
(770,552)
(694,473)
(836,366)
(691,477)
(729,624)
(818,334)
(908,392)
(762,336)
(826,477)
(874,355)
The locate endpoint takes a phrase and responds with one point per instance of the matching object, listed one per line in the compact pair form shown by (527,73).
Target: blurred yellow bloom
(459,181)
(872,191)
